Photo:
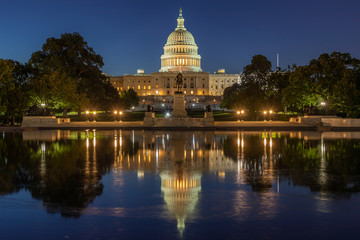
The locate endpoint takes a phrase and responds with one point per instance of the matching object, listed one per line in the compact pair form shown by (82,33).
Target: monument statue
(149,108)
(179,82)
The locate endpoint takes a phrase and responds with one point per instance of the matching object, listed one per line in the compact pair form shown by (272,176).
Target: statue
(179,82)
(149,108)
(208,108)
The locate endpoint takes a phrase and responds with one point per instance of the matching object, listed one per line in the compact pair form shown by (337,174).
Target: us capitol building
(180,55)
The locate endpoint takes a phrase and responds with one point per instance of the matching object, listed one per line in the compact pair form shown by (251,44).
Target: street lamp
(120,115)
(94,113)
(242,115)
(87,115)
(115,116)
(238,114)
(265,112)
(270,114)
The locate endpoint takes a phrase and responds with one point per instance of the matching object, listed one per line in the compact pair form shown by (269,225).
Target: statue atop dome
(180,21)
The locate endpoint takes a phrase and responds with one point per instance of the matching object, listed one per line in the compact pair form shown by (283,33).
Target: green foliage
(70,72)
(333,79)
(129,99)
(260,89)
(14,92)
(6,82)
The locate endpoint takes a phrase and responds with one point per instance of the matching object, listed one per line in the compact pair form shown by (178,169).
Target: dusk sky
(131,34)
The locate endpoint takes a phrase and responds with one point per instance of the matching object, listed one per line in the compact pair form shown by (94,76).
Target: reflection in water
(181,193)
(64,169)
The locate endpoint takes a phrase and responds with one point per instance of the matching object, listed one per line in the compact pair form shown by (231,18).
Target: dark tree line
(65,75)
(329,84)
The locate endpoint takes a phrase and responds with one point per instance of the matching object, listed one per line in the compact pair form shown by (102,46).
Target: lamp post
(265,113)
(238,114)
(120,115)
(270,115)
(242,115)
(214,103)
(94,114)
(87,115)
(115,116)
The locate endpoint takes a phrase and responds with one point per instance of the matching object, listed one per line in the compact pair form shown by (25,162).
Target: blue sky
(131,34)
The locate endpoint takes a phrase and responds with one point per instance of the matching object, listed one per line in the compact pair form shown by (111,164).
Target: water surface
(179,185)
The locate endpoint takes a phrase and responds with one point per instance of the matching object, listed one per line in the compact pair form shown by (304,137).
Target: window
(138,86)
(149,87)
(203,85)
(168,85)
(156,86)
(191,85)
(184,85)
(203,92)
(156,92)
(192,92)
(144,87)
(184,92)
(215,87)
(168,92)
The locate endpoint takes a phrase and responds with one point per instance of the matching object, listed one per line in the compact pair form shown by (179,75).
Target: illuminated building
(180,55)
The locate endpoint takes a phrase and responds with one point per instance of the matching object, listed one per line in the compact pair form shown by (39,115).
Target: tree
(333,79)
(346,95)
(6,82)
(257,71)
(70,58)
(129,99)
(251,93)
(300,94)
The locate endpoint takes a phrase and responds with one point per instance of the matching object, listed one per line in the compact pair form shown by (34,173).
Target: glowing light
(115,112)
(265,112)
(242,111)
(87,112)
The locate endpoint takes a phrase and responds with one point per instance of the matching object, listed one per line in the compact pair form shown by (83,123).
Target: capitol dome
(180,51)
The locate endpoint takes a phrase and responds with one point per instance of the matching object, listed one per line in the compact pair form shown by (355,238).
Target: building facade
(180,55)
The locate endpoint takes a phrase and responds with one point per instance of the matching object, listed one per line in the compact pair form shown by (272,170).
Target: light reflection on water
(184,178)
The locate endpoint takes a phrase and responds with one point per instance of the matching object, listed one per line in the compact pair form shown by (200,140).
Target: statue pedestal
(179,106)
(149,119)
(209,119)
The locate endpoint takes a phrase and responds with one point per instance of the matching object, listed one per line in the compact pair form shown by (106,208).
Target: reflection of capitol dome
(180,51)
(181,195)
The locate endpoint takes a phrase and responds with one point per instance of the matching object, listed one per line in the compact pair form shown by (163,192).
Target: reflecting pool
(179,185)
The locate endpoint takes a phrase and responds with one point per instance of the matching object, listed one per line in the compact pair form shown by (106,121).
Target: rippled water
(179,185)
